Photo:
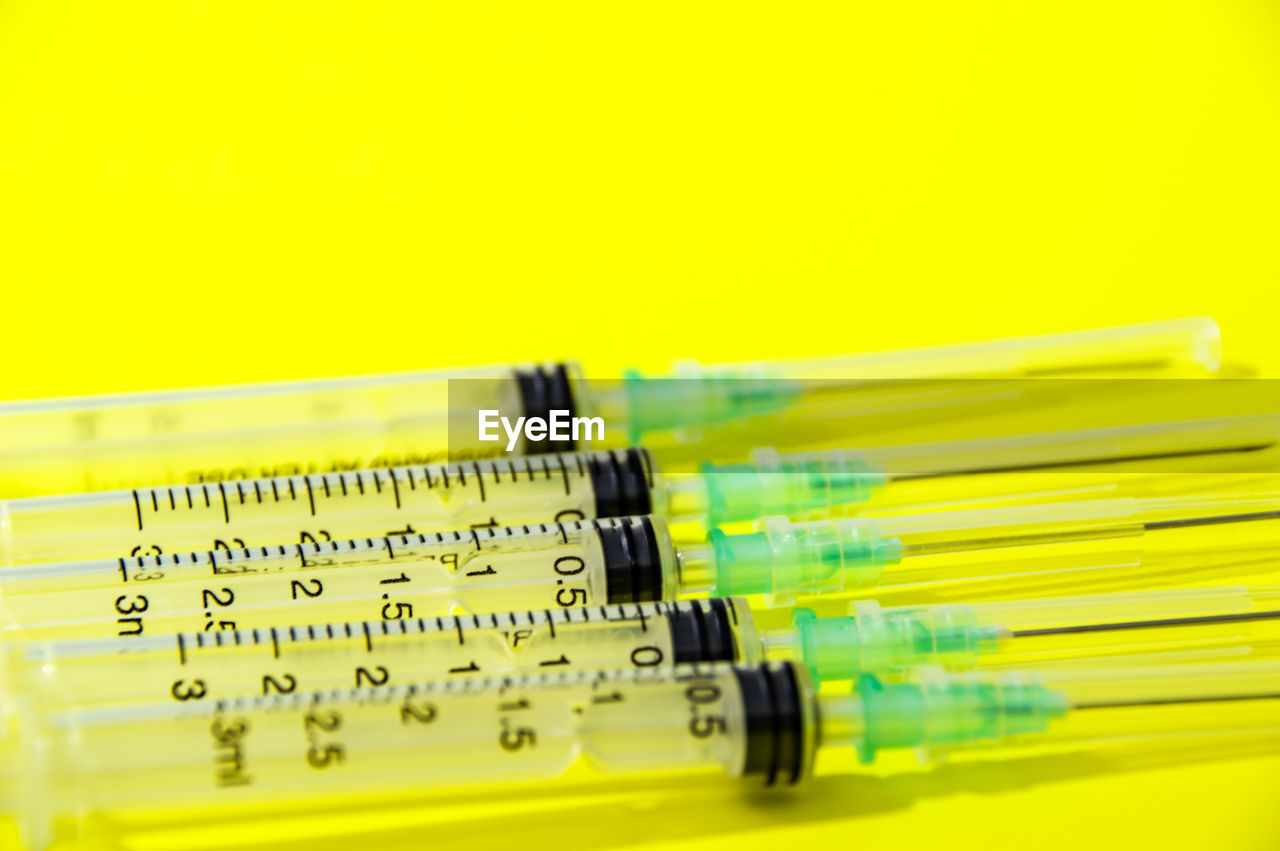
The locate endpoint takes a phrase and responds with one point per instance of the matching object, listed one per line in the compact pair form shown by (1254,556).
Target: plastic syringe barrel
(347,504)
(801,483)
(310,745)
(575,564)
(761,721)
(784,559)
(155,666)
(241,432)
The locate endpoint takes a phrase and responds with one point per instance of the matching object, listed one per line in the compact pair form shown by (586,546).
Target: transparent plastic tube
(304,746)
(605,484)
(214,434)
(760,721)
(1049,466)
(282,659)
(391,579)
(329,506)
(1019,550)
(1108,705)
(1027,548)
(1167,626)
(937,713)
(861,385)
(195,436)
(1153,626)
(1144,346)
(1179,622)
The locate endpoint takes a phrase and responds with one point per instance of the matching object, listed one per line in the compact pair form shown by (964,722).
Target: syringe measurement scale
(627,560)
(1165,626)
(762,721)
(1112,461)
(334,506)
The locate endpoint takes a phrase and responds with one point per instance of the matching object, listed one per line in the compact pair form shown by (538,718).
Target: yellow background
(206,192)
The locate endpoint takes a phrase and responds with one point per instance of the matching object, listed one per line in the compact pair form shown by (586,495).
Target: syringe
(210,435)
(1025,549)
(1162,626)
(502,492)
(760,721)
(324,507)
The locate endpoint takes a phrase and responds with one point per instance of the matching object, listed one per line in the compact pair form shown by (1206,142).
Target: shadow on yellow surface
(607,813)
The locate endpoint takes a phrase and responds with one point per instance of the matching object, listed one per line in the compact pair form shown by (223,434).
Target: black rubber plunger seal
(702,633)
(632,561)
(620,481)
(541,392)
(775,722)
